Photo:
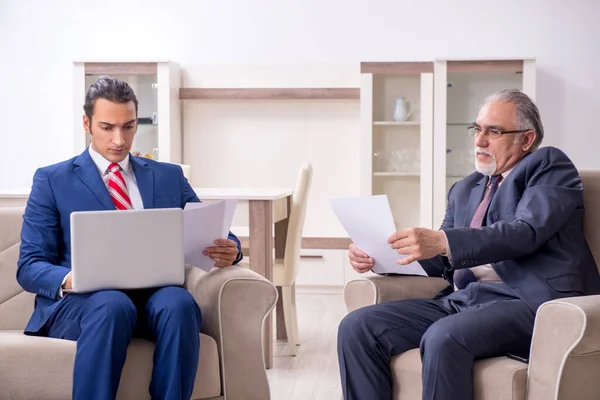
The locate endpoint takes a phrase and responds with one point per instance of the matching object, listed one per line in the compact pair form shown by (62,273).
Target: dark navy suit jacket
(533,236)
(76,185)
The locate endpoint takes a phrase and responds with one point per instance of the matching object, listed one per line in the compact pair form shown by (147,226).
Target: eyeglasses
(495,133)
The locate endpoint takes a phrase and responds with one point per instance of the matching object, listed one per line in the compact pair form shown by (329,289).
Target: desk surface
(203,193)
(242,194)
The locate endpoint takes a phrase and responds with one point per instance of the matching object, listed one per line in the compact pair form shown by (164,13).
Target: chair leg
(295,315)
(288,314)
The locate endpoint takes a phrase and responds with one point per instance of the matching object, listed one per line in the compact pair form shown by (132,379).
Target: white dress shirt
(132,188)
(127,172)
(482,272)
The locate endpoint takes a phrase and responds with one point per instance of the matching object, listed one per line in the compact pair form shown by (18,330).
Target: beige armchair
(234,303)
(565,351)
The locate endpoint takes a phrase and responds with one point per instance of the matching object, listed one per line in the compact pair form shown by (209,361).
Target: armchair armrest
(380,288)
(565,350)
(235,302)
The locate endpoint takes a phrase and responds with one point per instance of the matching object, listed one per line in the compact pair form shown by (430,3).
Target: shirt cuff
(60,289)
(447,254)
(238,258)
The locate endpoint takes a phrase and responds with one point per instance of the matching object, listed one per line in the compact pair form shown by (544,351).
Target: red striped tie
(117,188)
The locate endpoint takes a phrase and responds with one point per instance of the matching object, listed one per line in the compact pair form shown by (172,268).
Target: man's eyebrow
(498,127)
(108,123)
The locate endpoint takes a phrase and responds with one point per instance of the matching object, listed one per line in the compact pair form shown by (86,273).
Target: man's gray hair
(527,115)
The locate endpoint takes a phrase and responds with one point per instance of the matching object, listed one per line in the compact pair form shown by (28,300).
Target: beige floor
(313,374)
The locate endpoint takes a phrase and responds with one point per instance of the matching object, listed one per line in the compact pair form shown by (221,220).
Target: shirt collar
(505,173)
(102,163)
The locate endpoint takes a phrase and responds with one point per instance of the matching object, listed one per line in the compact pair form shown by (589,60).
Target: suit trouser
(103,324)
(483,320)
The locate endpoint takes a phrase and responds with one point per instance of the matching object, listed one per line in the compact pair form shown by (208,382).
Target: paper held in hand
(203,223)
(369,222)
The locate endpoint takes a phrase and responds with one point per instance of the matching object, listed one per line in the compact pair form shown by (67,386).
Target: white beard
(485,168)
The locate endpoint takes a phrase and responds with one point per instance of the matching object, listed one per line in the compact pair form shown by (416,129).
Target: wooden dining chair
(285,270)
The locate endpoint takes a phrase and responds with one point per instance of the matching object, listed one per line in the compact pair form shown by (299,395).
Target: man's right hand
(69,282)
(360,261)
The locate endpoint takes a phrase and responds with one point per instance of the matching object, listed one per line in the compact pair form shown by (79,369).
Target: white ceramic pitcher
(402,109)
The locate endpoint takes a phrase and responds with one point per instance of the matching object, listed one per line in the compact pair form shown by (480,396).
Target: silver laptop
(130,249)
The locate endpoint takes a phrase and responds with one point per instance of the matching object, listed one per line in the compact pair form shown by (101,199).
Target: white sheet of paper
(203,223)
(369,222)
(192,206)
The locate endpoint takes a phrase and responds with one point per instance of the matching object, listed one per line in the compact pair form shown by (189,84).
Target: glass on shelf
(404,160)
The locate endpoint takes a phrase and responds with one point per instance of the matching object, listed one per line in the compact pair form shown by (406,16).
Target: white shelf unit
(397,174)
(396,123)
(396,157)
(156,85)
(460,88)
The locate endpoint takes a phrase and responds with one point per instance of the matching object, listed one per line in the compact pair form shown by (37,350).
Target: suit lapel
(145,180)
(476,196)
(87,171)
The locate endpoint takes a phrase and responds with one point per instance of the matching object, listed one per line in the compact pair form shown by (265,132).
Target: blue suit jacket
(533,236)
(76,185)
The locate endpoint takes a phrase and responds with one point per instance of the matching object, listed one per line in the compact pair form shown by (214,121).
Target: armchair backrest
(591,221)
(16,305)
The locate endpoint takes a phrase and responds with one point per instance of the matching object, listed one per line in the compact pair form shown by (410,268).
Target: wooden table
(266,207)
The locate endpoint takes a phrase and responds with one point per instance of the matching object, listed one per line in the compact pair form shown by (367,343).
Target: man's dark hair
(111,89)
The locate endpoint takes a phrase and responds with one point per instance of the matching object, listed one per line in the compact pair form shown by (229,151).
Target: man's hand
(418,244)
(69,282)
(360,261)
(223,253)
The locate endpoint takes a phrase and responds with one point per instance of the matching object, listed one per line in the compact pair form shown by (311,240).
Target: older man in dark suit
(512,239)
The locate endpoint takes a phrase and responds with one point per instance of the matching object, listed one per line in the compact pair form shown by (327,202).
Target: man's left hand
(223,253)
(418,244)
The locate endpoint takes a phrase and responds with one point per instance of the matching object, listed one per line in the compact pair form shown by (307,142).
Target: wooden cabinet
(396,151)
(323,268)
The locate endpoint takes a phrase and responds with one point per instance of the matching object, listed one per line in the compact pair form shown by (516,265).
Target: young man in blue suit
(106,177)
(512,239)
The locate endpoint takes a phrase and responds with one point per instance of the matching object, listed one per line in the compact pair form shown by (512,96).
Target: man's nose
(481,140)
(118,138)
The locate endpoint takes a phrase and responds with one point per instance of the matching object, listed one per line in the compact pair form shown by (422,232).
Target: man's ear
(86,125)
(527,140)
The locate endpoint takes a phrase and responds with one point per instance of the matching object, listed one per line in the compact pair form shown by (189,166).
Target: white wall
(39,40)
